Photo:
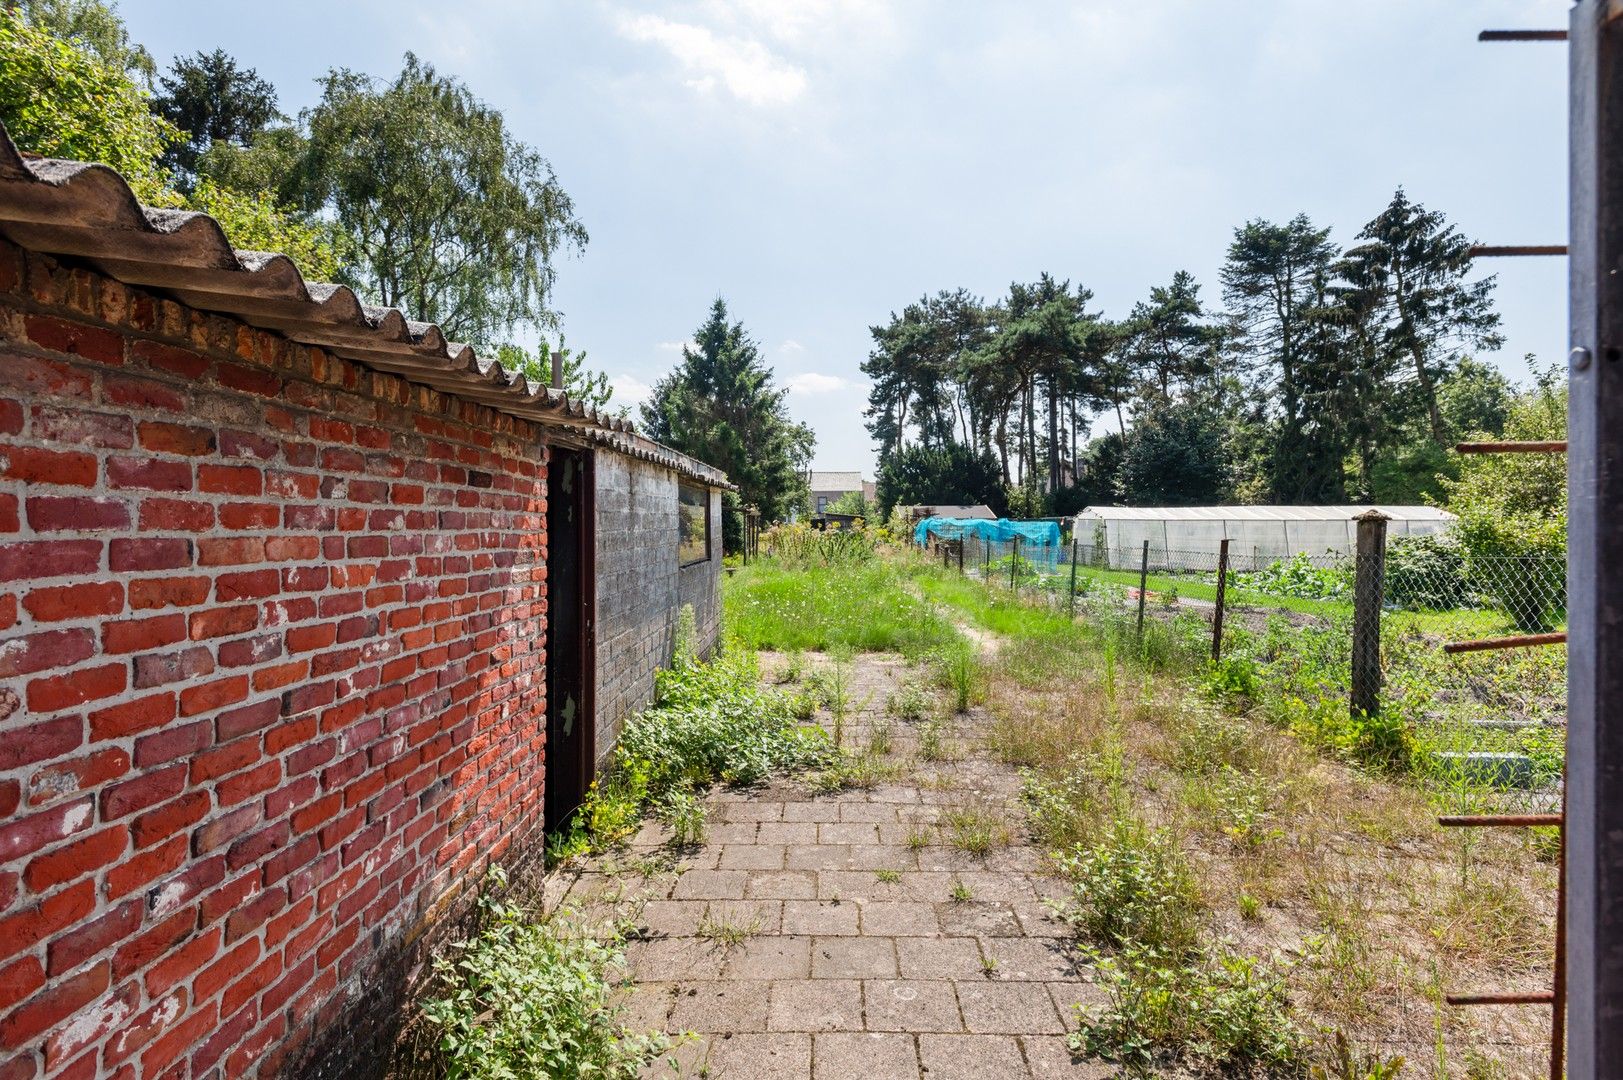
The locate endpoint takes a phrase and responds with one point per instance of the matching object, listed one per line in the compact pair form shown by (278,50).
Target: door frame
(584,764)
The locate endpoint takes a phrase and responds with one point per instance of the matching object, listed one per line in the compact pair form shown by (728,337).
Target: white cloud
(677,346)
(813,382)
(629,391)
(743,65)
(791,346)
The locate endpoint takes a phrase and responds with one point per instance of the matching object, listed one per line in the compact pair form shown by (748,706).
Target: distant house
(828,487)
(978,511)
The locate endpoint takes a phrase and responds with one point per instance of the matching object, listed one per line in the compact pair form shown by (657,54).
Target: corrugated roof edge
(87,211)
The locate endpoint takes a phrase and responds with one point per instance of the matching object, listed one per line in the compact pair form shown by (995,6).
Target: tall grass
(864,606)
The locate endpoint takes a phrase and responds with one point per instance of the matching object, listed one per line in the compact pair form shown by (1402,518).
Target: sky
(822,163)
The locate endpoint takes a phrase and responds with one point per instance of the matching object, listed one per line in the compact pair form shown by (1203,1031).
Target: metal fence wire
(1406,634)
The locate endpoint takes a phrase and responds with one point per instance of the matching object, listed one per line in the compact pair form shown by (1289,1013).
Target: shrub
(1426,572)
(525,998)
(710,722)
(1133,890)
(799,546)
(1225,1013)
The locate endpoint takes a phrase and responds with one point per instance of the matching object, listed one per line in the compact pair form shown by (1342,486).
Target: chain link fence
(1485,726)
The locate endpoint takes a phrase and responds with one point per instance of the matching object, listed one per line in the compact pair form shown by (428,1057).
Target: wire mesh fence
(1486,726)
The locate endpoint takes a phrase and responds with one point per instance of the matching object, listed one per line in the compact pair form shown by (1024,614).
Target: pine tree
(720,406)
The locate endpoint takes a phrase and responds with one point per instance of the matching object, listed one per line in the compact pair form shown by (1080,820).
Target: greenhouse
(1190,535)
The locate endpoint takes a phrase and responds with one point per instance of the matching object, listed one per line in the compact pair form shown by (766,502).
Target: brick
(150,474)
(135,795)
(221,622)
(170,358)
(306,638)
(171,819)
(246,785)
(176,1041)
(149,554)
(91,342)
(250,585)
(214,695)
(174,741)
(230,551)
(141,393)
(20,837)
(41,741)
(183,963)
(49,558)
(47,1009)
(18,980)
(81,427)
(61,513)
(139,635)
(117,721)
(75,601)
(241,516)
(168,592)
(32,465)
(66,778)
(184,887)
(160,514)
(89,939)
(28,375)
(224,828)
(76,860)
(237,377)
(230,479)
(160,670)
(24,929)
(166,438)
(248,718)
(138,952)
(58,692)
(141,870)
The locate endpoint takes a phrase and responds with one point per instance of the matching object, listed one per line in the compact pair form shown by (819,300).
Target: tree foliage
(952,475)
(60,100)
(580,382)
(721,407)
(93,27)
(210,100)
(451,218)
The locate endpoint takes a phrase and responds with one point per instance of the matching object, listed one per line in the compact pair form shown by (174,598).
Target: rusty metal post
(1071,604)
(1594,768)
(557,370)
(961,543)
(1014,566)
(1369,584)
(1143,585)
(1222,591)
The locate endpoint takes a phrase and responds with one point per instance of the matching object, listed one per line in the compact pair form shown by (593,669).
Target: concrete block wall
(640,587)
(271,687)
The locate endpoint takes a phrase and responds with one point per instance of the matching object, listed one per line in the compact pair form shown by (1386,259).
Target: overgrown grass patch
(863,606)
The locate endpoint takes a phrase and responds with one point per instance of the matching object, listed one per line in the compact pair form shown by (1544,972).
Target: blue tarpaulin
(1039,540)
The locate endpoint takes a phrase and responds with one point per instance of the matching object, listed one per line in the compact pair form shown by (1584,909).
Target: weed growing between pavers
(710,723)
(527,995)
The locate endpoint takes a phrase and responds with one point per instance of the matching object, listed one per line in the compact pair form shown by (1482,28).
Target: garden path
(851,934)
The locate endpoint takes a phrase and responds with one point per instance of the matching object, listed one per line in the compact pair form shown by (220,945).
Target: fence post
(1072,602)
(1222,590)
(1368,587)
(1014,565)
(1143,582)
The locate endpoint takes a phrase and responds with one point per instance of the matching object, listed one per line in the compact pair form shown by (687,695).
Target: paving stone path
(819,935)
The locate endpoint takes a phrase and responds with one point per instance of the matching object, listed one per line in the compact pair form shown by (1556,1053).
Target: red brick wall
(271,682)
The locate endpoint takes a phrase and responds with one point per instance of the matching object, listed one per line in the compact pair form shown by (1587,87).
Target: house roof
(977,511)
(835,481)
(1261,513)
(87,211)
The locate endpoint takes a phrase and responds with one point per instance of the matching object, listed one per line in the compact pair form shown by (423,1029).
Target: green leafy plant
(1133,890)
(1224,1013)
(684,812)
(526,997)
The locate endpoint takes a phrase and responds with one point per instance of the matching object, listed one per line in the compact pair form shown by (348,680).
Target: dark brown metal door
(571,644)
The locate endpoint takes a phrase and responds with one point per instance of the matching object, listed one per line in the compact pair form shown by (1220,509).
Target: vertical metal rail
(1594,768)
(1143,585)
(1586,998)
